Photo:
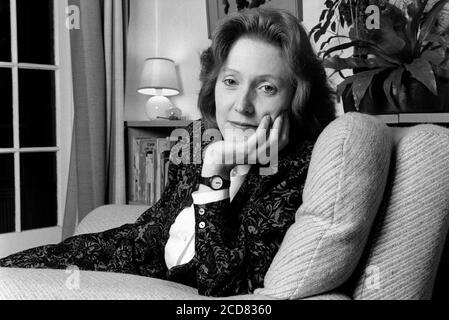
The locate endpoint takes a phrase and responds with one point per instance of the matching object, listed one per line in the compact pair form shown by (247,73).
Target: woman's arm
(234,249)
(221,246)
(220,254)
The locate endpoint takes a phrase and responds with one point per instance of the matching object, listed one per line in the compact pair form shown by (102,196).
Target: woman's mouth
(242,125)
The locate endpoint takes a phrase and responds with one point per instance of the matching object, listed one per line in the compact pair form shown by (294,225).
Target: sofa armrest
(329,296)
(324,296)
(73,284)
(108,217)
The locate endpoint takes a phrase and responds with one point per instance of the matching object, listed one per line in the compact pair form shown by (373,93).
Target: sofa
(372,225)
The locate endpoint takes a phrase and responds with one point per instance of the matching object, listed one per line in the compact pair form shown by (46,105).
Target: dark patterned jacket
(233,251)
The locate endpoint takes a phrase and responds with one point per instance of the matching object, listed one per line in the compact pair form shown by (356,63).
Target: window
(34,103)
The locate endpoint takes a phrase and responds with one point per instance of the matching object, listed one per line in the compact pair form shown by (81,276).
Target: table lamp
(160,81)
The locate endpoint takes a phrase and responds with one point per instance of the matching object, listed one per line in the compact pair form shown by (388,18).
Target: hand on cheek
(262,146)
(278,137)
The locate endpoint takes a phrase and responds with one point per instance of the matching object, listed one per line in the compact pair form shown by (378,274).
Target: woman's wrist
(212,165)
(210,170)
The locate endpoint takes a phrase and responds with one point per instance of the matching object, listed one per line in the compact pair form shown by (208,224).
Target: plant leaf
(364,44)
(430,18)
(328,40)
(314,29)
(435,57)
(442,40)
(387,40)
(323,29)
(338,63)
(415,11)
(421,70)
(394,78)
(341,86)
(442,73)
(323,14)
(361,83)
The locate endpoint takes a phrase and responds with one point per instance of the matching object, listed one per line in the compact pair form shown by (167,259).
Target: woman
(219,224)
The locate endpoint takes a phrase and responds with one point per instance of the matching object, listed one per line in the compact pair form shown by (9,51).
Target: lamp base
(158,106)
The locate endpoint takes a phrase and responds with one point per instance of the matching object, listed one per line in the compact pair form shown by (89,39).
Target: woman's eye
(229,82)
(270,90)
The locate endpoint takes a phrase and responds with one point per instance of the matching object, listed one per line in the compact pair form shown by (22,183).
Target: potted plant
(244,4)
(401,66)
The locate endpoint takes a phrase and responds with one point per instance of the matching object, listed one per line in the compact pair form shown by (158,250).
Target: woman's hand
(220,157)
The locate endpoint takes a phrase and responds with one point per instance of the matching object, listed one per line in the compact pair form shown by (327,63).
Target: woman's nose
(244,103)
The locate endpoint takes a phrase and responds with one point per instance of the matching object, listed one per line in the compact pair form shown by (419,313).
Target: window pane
(37,108)
(5,32)
(7,203)
(6,132)
(35,31)
(38,190)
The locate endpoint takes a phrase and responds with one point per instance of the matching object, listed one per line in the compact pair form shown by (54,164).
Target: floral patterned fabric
(235,241)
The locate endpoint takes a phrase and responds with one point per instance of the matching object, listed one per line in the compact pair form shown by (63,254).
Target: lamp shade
(159,78)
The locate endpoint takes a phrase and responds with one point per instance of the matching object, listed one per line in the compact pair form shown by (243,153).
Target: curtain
(97,161)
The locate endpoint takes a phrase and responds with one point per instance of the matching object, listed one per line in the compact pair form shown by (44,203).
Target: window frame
(20,240)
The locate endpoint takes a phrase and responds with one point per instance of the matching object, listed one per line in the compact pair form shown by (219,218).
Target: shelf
(388,118)
(414,118)
(158,123)
(424,117)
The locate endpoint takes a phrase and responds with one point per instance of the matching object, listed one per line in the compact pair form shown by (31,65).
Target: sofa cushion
(109,217)
(342,193)
(70,284)
(408,235)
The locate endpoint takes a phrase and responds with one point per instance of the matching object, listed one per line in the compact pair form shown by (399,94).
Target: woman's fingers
(285,131)
(260,135)
(279,138)
(260,147)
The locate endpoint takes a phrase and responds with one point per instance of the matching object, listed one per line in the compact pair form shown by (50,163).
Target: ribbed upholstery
(48,284)
(342,193)
(404,250)
(107,217)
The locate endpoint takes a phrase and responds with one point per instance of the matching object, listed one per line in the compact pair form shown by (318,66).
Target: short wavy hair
(313,102)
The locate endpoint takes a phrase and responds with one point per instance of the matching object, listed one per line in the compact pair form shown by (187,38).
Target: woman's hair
(312,105)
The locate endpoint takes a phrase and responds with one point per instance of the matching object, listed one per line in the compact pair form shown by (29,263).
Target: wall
(176,29)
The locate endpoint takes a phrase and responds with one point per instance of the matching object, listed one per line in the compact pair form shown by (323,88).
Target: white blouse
(180,247)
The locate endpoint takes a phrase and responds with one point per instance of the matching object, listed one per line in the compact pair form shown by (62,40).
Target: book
(144,150)
(149,152)
(163,147)
(150,169)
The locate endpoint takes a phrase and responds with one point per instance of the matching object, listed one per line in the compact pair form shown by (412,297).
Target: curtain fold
(97,162)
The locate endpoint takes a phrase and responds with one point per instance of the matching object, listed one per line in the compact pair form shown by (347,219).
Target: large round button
(201,211)
(202,225)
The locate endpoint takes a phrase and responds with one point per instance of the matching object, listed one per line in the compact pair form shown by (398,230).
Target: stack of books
(150,169)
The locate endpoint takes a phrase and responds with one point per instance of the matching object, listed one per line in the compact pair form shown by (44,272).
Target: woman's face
(252,83)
